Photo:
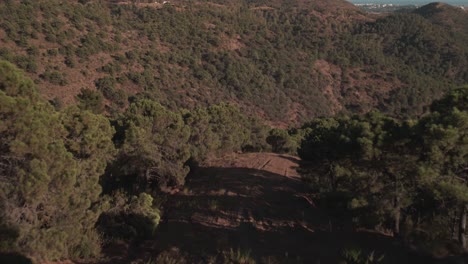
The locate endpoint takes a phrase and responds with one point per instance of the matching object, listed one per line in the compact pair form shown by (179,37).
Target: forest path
(257,203)
(260,189)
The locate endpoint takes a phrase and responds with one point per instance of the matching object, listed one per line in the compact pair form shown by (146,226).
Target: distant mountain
(408,2)
(450,17)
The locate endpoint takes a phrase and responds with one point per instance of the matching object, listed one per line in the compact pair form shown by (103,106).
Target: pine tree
(49,172)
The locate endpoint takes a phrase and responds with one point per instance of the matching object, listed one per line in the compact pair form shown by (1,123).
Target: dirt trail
(268,162)
(263,190)
(256,202)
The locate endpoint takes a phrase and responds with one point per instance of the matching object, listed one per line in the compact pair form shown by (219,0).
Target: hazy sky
(418,2)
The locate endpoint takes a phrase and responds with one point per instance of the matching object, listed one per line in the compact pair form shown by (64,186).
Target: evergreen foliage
(91,100)
(50,168)
(70,174)
(280,60)
(382,173)
(155,147)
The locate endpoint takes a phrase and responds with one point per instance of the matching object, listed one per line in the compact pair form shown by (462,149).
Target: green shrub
(238,256)
(130,217)
(356,256)
(54,77)
(91,100)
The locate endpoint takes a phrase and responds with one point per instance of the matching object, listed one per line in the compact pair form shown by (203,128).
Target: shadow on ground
(259,212)
(12,258)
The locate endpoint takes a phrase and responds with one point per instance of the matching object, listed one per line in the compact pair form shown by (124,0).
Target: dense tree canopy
(286,62)
(155,147)
(382,171)
(445,158)
(50,168)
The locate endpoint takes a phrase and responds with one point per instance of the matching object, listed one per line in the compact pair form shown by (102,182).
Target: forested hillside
(73,182)
(71,178)
(126,127)
(286,61)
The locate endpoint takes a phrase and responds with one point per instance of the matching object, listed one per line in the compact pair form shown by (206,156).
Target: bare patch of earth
(253,203)
(256,203)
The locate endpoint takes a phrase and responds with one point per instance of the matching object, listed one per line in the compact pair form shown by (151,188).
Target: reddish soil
(257,203)
(280,164)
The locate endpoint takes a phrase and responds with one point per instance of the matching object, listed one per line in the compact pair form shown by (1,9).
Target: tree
(49,174)
(13,82)
(280,141)
(89,139)
(221,129)
(203,140)
(91,100)
(258,132)
(155,148)
(445,157)
(229,124)
(129,216)
(368,162)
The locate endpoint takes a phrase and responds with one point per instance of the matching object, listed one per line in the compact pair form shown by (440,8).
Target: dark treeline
(404,177)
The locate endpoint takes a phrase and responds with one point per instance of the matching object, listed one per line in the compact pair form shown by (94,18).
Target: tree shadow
(290,158)
(262,212)
(13,258)
(295,244)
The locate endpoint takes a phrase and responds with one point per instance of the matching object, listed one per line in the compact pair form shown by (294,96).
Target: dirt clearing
(255,203)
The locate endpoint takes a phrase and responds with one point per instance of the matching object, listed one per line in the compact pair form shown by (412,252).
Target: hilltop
(452,18)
